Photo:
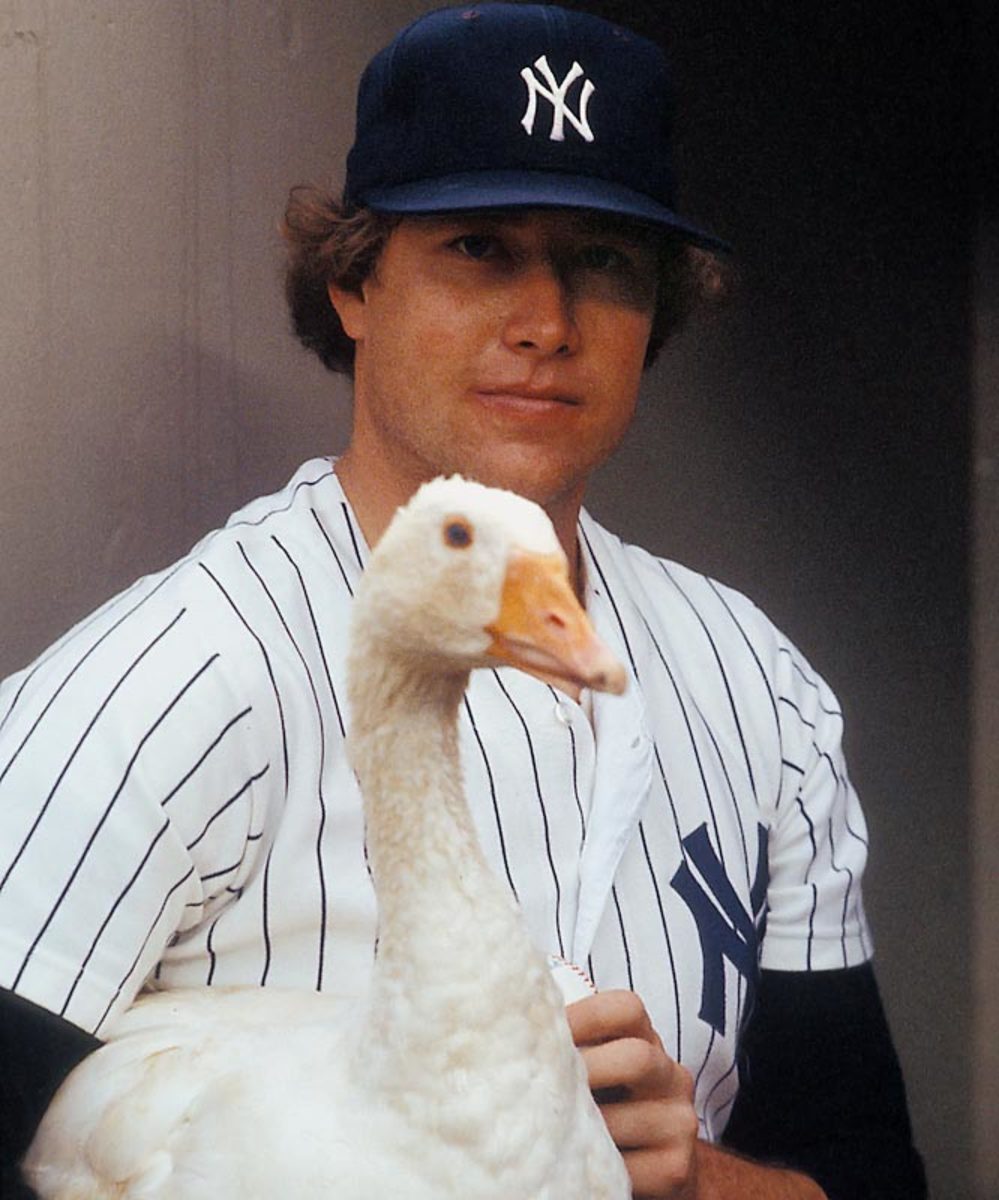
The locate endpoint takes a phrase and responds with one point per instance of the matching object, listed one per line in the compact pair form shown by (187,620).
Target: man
(505,262)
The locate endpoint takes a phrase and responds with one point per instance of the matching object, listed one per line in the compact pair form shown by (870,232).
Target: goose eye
(457,533)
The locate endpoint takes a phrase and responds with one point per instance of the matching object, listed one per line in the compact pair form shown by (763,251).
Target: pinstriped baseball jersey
(175,801)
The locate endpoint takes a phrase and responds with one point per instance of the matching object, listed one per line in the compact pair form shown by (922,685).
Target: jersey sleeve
(818,836)
(135,762)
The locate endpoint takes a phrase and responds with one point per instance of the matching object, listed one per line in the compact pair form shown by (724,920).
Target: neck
(458,991)
(430,877)
(448,931)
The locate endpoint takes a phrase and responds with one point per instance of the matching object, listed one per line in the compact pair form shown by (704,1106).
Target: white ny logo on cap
(555,93)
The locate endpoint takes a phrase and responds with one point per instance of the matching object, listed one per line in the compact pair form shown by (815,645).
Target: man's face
(506,346)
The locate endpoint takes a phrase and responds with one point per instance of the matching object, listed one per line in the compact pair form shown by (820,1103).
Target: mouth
(526,400)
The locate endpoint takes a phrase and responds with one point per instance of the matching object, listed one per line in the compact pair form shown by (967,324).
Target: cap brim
(533,189)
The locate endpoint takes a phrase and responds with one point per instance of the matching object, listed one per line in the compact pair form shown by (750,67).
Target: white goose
(457,1080)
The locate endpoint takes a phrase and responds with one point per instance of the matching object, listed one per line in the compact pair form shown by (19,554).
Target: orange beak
(541,628)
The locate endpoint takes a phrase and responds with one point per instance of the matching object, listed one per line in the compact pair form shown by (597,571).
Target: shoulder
(275,553)
(705,650)
(312,492)
(716,650)
(695,614)
(237,589)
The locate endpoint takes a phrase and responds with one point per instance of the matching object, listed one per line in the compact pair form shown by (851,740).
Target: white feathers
(457,1079)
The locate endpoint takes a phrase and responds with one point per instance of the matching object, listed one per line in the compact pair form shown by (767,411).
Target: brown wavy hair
(329,242)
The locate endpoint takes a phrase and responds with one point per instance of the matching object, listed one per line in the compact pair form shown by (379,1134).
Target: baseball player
(175,802)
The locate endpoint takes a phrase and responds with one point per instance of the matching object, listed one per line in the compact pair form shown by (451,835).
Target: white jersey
(175,801)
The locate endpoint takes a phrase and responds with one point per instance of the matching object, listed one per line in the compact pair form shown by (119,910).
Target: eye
(476,246)
(603,258)
(458,533)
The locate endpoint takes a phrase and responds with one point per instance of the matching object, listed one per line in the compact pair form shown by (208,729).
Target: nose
(541,319)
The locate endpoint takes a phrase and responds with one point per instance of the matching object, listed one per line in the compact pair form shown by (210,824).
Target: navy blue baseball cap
(517,105)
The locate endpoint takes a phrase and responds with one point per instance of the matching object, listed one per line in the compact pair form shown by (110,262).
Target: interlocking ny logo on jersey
(555,93)
(725,929)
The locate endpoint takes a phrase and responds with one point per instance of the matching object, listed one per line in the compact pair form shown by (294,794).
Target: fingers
(645,1097)
(639,1066)
(658,1140)
(622,1052)
(656,1176)
(635,1124)
(609,1015)
(638,1123)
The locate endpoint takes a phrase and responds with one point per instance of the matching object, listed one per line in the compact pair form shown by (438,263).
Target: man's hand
(645,1097)
(647,1101)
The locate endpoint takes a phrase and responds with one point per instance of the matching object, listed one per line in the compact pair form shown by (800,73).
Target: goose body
(456,1077)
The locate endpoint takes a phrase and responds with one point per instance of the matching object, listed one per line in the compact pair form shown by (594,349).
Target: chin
(535,477)
(541,487)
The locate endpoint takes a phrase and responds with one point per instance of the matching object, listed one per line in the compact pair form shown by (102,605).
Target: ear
(351,310)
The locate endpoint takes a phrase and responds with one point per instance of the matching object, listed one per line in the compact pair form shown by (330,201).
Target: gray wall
(808,442)
(149,385)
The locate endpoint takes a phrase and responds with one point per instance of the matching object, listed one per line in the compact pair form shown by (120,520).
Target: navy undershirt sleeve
(821,1089)
(37,1051)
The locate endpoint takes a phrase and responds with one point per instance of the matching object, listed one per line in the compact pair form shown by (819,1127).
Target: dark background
(809,440)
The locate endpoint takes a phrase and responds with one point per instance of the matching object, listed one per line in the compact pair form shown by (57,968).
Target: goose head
(469,576)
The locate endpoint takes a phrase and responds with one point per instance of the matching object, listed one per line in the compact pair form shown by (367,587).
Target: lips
(526,397)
